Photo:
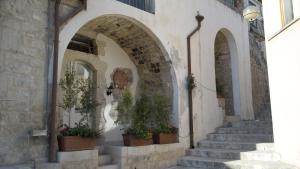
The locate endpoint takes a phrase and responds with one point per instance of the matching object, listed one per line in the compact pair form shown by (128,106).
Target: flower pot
(76,143)
(165,138)
(131,140)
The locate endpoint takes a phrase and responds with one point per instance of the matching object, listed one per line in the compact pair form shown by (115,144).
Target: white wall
(114,57)
(284,71)
(172,22)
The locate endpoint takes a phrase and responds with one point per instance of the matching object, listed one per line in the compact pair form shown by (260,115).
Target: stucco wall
(23,77)
(207,116)
(110,57)
(284,70)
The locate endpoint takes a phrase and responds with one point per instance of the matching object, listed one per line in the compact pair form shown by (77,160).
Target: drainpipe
(199,19)
(52,123)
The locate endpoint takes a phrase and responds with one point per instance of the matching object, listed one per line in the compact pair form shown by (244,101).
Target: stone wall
(260,81)
(147,157)
(23,77)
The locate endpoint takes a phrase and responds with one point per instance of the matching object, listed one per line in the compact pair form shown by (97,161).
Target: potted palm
(164,133)
(135,118)
(82,136)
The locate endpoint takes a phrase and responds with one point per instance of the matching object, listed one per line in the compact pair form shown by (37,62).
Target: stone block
(77,155)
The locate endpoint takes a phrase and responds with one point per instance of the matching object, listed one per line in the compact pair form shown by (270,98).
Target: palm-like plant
(70,87)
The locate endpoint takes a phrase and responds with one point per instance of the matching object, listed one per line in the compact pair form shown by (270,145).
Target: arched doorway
(226,69)
(119,46)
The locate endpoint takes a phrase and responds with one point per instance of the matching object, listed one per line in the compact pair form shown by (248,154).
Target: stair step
(216,153)
(181,167)
(208,163)
(227,145)
(104,159)
(245,146)
(260,156)
(241,137)
(101,149)
(243,124)
(109,167)
(236,130)
(265,146)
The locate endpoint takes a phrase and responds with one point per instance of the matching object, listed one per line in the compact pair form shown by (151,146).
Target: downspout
(52,118)
(199,19)
(52,123)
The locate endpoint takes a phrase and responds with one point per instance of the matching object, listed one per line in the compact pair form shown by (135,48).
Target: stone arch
(227,71)
(143,48)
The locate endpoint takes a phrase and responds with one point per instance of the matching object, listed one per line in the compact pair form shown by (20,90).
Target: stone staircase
(105,160)
(239,145)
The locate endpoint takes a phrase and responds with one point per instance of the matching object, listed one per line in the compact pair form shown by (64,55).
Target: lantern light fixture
(251,13)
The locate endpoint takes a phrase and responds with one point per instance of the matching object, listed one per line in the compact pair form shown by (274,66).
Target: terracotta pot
(76,143)
(131,140)
(165,138)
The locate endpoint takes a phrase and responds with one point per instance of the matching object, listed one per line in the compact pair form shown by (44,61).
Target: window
(83,44)
(287,13)
(84,72)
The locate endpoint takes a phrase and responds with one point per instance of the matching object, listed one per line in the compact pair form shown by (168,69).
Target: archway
(122,37)
(226,69)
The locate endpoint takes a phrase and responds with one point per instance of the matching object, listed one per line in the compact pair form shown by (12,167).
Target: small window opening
(83,44)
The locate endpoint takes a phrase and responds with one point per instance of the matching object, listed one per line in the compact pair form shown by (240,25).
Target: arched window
(84,71)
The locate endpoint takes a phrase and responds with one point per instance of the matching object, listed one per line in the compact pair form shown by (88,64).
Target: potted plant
(82,136)
(164,133)
(77,139)
(70,86)
(135,118)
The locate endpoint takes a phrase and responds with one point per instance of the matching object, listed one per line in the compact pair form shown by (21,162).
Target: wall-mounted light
(110,89)
(251,13)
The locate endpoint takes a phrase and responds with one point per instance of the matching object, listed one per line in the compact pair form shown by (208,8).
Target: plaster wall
(284,68)
(110,57)
(172,31)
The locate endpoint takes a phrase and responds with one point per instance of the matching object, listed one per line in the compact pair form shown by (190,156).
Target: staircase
(240,145)
(105,160)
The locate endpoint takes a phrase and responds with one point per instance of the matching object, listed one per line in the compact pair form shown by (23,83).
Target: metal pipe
(52,124)
(199,19)
(52,118)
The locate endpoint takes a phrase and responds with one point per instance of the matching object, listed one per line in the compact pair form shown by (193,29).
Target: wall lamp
(251,13)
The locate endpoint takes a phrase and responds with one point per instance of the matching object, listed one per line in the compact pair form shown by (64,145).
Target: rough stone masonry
(23,67)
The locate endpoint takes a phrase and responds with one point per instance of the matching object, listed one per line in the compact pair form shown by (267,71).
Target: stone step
(181,167)
(104,159)
(265,146)
(215,153)
(235,154)
(246,146)
(236,130)
(260,156)
(208,163)
(112,166)
(246,124)
(241,137)
(101,149)
(227,145)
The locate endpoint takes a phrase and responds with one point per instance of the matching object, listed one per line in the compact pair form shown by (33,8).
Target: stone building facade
(23,92)
(259,69)
(154,45)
